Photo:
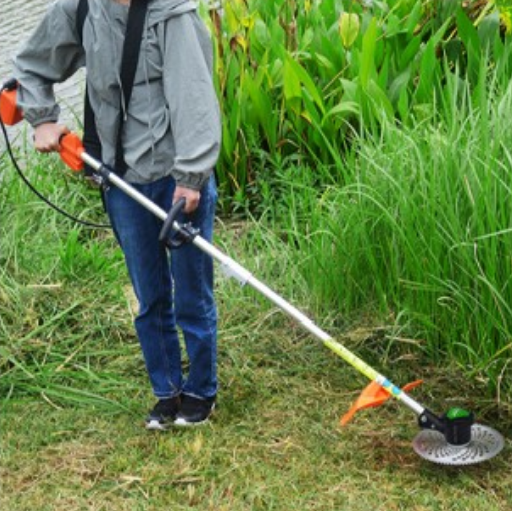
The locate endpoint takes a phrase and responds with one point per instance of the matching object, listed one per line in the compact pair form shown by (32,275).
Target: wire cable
(34,190)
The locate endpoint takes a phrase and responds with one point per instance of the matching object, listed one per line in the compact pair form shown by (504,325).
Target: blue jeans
(174,291)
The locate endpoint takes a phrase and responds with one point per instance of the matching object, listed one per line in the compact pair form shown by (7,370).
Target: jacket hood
(161,10)
(158,10)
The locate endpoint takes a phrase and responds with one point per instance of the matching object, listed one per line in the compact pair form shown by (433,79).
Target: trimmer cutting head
(454,439)
(450,439)
(485,443)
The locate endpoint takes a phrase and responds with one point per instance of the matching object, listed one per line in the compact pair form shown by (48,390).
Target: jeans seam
(203,306)
(168,370)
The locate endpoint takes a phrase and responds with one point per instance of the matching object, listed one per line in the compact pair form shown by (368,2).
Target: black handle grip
(165,233)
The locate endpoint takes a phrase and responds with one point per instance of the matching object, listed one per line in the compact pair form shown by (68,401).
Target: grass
(274,443)
(416,232)
(74,392)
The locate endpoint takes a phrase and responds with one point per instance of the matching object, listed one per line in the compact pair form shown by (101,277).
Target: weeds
(417,236)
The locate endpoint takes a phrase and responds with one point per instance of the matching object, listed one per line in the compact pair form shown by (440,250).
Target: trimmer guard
(373,395)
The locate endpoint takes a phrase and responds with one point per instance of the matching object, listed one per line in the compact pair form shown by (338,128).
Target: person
(170,141)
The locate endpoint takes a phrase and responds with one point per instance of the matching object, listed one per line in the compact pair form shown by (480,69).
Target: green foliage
(320,102)
(53,276)
(74,390)
(419,234)
(301,80)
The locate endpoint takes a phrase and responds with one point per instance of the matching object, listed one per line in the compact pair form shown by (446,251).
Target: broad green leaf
(260,34)
(489,29)
(301,77)
(368,53)
(231,17)
(307,39)
(438,36)
(467,32)
(325,62)
(414,18)
(429,65)
(291,83)
(399,85)
(427,69)
(344,108)
(263,109)
(403,105)
(410,52)
(350,89)
(379,100)
(469,36)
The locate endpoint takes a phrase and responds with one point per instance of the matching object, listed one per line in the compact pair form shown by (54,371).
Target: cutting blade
(485,444)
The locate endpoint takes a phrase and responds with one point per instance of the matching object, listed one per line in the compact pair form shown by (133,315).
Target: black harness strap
(81,14)
(131,51)
(90,139)
(129,61)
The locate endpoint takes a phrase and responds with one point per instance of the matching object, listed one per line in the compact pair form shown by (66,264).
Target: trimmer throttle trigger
(71,152)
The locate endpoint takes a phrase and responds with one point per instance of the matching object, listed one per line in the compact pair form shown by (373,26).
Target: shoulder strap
(81,14)
(130,59)
(90,138)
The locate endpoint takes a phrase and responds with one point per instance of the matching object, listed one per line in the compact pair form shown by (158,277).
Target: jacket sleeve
(191,98)
(51,54)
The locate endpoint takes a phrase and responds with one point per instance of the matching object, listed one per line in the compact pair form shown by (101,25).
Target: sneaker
(194,411)
(163,414)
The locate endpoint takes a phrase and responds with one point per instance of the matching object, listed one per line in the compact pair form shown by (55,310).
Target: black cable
(32,187)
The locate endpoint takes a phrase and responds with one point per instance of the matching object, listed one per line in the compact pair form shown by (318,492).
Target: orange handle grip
(9,111)
(71,150)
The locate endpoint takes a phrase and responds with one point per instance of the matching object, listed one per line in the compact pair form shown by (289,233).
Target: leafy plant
(301,81)
(419,234)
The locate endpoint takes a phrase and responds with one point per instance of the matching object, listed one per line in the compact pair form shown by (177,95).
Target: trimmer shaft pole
(243,276)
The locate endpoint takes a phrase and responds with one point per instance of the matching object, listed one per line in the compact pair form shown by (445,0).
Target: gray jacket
(172,125)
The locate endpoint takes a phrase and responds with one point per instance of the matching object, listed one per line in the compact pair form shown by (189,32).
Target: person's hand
(47,136)
(191,196)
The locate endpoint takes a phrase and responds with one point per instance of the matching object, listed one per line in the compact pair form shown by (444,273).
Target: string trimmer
(453,438)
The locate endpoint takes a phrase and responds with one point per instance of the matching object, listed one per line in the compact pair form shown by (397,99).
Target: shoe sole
(182,423)
(157,426)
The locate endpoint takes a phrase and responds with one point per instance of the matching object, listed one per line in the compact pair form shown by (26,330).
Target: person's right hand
(47,136)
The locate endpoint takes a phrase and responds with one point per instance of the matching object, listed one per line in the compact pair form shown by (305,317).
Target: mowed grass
(274,442)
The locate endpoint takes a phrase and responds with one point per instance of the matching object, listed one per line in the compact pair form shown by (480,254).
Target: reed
(419,235)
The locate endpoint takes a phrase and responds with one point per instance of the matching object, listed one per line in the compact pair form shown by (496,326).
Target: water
(18,19)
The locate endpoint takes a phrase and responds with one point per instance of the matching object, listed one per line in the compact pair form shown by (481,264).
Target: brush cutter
(453,438)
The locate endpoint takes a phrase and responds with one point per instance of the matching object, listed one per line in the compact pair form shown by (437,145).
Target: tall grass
(55,278)
(421,233)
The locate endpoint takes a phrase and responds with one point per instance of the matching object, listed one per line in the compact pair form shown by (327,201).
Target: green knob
(457,413)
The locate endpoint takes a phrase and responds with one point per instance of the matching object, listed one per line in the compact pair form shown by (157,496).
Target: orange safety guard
(71,149)
(373,395)
(9,112)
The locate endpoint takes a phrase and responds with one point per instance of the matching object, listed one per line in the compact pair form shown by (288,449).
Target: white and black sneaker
(194,411)
(163,414)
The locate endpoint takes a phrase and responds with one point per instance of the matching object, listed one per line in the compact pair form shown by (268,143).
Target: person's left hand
(191,196)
